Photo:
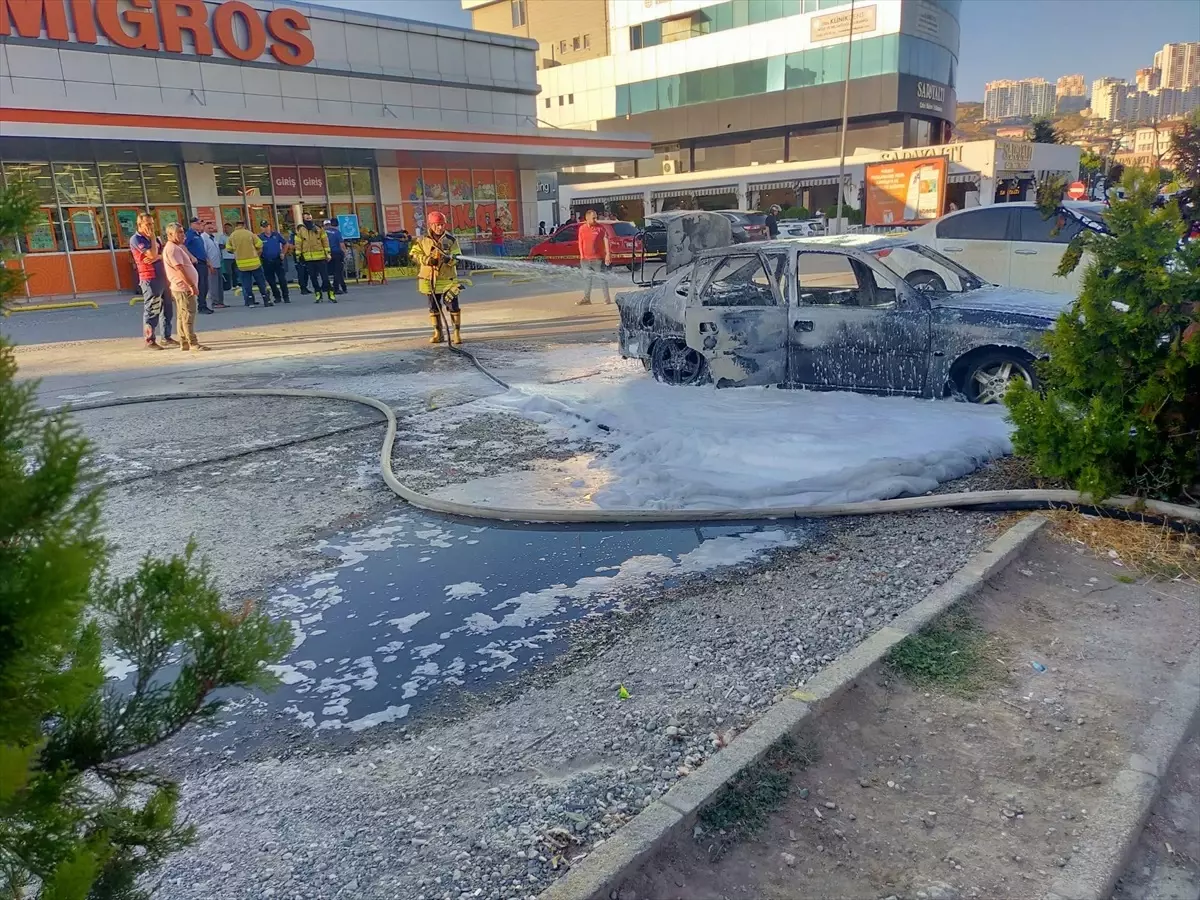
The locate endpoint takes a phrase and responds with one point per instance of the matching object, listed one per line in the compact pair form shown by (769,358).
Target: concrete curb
(617,858)
(1113,832)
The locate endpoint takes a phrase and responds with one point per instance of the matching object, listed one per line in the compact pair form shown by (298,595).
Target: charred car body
(840,313)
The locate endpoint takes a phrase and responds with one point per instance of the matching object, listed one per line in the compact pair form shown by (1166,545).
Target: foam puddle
(416,607)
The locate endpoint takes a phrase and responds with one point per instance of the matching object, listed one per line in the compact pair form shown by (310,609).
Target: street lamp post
(845,118)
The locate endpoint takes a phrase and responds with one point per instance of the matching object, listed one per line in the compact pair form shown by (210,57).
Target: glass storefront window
(44,234)
(258,178)
(337,182)
(229,180)
(122,183)
(360,183)
(86,229)
(643,96)
(77,184)
(163,184)
(367,220)
(36,174)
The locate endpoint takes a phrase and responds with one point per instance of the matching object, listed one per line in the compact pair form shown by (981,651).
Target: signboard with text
(393,219)
(838,24)
(285,182)
(906,192)
(235,28)
(312,181)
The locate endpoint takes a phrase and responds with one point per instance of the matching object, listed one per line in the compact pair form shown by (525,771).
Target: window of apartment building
(576,44)
(685,27)
(648,34)
(560,99)
(587,42)
(562,48)
(570,99)
(518,12)
(547,103)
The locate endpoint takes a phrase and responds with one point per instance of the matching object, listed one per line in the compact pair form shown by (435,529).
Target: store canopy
(606,198)
(962,178)
(820,181)
(696,191)
(790,185)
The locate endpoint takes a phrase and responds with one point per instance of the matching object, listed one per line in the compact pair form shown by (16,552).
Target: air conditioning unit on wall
(668,167)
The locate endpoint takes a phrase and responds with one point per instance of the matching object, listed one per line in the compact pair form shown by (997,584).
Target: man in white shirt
(212,253)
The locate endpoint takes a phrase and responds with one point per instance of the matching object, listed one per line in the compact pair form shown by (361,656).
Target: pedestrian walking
(184,279)
(247,252)
(274,258)
(497,239)
(212,250)
(194,241)
(312,245)
(542,228)
(337,257)
(152,281)
(594,255)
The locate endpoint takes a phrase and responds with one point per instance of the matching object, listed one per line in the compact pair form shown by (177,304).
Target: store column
(391,197)
(202,191)
(528,198)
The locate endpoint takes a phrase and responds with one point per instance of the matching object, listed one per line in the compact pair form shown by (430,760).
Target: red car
(562,247)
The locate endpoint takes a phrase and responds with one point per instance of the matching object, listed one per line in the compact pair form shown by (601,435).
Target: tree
(1185,147)
(1120,410)
(78,820)
(1089,164)
(1043,132)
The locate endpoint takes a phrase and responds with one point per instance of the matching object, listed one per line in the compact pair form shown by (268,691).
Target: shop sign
(1014,156)
(908,192)
(284,181)
(348,226)
(393,219)
(237,28)
(547,185)
(952,152)
(839,24)
(312,181)
(931,96)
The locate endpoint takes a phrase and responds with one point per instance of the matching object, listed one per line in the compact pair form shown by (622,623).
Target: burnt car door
(737,318)
(854,327)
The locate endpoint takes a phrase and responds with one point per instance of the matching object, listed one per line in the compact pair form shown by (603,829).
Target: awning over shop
(605,198)
(696,191)
(962,178)
(821,181)
(790,184)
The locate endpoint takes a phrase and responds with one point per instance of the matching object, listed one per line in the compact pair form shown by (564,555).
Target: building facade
(720,83)
(1179,65)
(566,32)
(1070,86)
(1148,78)
(1027,98)
(1151,147)
(258,111)
(1158,105)
(1108,97)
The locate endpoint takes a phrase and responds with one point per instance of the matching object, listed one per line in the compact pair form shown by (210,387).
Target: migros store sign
(238,29)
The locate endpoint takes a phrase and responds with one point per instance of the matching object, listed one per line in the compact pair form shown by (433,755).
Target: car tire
(925,280)
(986,379)
(674,362)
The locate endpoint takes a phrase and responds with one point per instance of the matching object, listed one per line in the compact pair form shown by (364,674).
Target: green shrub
(1120,409)
(78,819)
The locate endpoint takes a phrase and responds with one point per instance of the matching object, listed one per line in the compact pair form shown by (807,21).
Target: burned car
(857,313)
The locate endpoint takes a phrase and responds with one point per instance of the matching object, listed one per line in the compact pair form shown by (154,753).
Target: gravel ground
(486,806)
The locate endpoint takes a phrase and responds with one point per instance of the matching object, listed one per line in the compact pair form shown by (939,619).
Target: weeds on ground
(951,654)
(1144,547)
(744,805)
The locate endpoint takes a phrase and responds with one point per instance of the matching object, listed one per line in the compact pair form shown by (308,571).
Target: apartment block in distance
(1027,98)
(1071,94)
(1108,97)
(567,31)
(1179,65)
(727,83)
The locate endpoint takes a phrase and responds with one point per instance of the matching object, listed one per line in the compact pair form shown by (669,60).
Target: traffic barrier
(39,307)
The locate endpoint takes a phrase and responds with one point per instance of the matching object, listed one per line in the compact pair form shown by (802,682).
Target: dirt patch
(931,792)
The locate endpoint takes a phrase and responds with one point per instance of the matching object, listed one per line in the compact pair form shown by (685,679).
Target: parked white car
(800,228)
(1009,244)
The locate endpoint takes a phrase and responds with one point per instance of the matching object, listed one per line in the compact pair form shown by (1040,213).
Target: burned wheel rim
(925,281)
(989,382)
(674,362)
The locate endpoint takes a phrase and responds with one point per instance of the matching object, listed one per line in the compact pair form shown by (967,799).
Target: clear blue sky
(1000,38)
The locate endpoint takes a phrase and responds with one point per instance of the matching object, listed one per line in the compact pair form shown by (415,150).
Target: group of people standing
(194,275)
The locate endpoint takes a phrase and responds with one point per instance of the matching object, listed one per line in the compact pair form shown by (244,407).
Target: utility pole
(845,117)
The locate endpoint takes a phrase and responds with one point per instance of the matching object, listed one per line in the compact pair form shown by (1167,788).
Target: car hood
(1018,301)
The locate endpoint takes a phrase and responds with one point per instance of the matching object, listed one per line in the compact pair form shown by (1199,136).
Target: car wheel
(987,378)
(925,281)
(674,362)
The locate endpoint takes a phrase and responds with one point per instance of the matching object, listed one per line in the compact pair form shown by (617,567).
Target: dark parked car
(654,236)
(837,314)
(747,226)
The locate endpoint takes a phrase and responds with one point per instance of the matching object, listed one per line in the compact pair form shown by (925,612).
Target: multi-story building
(720,83)
(1151,147)
(261,111)
(1179,65)
(1158,105)
(1027,98)
(567,31)
(1070,86)
(1108,97)
(1148,78)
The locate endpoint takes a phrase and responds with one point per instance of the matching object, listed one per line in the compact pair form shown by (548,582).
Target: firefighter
(436,254)
(312,246)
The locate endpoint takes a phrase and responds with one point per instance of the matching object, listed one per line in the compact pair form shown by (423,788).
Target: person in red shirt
(594,255)
(157,301)
(498,238)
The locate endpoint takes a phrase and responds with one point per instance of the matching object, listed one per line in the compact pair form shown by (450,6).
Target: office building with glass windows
(261,111)
(718,84)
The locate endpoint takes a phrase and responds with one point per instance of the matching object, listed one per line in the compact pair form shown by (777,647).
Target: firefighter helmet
(436,218)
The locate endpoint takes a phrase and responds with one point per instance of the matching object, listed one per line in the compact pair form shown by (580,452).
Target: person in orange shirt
(594,255)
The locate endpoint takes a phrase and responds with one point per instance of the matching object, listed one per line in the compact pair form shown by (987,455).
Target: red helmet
(436,218)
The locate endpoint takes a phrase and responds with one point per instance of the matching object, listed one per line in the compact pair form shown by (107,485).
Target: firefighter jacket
(436,259)
(311,243)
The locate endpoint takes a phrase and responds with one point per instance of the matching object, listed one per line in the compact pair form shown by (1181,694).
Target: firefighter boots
(456,322)
(437,337)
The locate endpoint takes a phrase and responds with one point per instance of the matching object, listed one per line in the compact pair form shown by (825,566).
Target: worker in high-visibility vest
(312,246)
(437,254)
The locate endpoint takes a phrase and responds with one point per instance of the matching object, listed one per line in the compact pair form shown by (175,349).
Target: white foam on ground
(703,448)
(117,667)
(464,589)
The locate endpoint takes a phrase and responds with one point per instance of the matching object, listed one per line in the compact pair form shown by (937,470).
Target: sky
(1000,38)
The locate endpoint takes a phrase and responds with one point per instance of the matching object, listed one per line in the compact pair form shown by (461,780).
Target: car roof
(865,242)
